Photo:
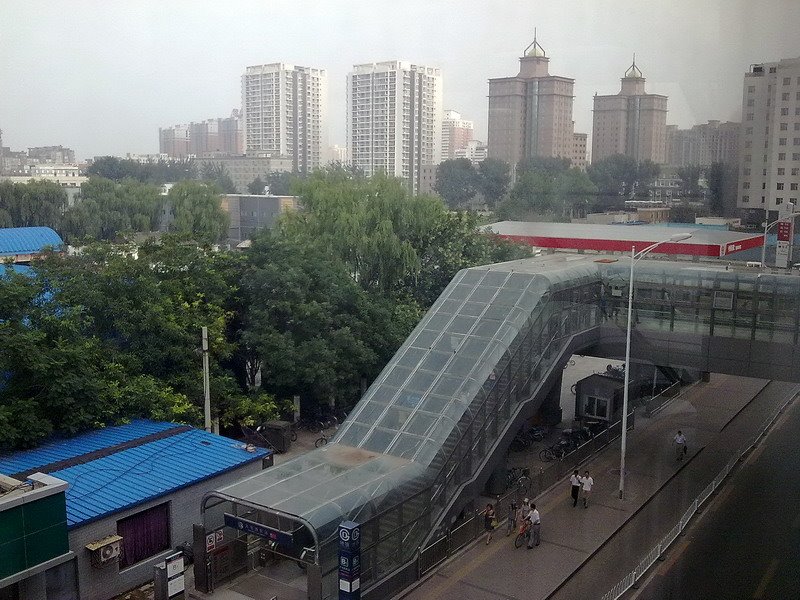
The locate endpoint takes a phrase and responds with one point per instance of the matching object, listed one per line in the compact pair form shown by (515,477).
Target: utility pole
(206,381)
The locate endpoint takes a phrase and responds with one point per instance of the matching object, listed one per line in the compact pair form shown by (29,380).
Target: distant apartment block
(338,154)
(394,119)
(285,113)
(248,213)
(456,134)
(530,114)
(52,154)
(631,122)
(475,151)
(244,169)
(703,144)
(769,167)
(579,148)
(217,136)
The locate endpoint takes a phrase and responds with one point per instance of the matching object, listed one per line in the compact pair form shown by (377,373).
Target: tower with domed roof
(631,122)
(530,114)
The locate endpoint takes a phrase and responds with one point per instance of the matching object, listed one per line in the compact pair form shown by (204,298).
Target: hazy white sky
(101,76)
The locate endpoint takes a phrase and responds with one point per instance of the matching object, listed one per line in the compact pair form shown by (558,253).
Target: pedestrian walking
(575,487)
(512,517)
(680,445)
(587,482)
(488,522)
(526,509)
(536,527)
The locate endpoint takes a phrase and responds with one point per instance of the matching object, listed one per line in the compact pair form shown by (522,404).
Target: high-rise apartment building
(769,167)
(579,148)
(631,122)
(394,119)
(285,113)
(206,138)
(703,144)
(456,134)
(530,114)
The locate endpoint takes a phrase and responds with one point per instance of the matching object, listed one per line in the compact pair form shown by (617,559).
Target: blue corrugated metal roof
(27,240)
(143,473)
(57,450)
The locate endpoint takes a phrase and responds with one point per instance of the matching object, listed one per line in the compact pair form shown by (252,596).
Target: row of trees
(313,308)
(458,181)
(107,210)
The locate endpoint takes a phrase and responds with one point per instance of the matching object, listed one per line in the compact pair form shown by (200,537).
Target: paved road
(747,544)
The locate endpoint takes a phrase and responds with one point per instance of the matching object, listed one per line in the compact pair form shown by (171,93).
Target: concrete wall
(101,583)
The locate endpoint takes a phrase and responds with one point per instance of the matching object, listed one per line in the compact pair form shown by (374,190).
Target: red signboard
(784,231)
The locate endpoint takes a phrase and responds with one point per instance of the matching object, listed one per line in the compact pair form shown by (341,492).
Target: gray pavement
(581,555)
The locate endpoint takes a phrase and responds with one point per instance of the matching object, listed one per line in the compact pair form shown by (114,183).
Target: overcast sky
(101,76)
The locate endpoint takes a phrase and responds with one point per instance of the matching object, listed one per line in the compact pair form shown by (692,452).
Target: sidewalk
(577,541)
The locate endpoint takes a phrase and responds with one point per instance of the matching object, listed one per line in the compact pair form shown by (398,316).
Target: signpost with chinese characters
(282,538)
(783,251)
(349,561)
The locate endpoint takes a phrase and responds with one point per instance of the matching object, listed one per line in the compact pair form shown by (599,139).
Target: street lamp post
(634,257)
(766,228)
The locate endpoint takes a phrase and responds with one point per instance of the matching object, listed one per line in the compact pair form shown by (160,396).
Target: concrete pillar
(550,410)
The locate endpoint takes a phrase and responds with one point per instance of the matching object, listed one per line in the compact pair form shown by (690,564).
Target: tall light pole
(206,382)
(766,228)
(634,257)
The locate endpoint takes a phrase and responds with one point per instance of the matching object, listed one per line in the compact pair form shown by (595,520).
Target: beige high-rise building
(530,114)
(769,168)
(631,122)
(703,144)
(213,136)
(394,119)
(579,148)
(456,134)
(284,110)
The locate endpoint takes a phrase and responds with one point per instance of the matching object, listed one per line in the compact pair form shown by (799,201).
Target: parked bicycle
(518,479)
(324,435)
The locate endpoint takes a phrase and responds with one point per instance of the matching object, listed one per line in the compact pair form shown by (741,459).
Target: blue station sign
(282,538)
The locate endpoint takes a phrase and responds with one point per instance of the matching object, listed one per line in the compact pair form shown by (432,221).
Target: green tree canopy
(33,204)
(217,174)
(106,209)
(455,182)
(256,186)
(493,180)
(690,180)
(197,213)
(154,172)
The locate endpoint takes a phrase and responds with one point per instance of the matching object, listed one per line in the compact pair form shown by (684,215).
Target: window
(749,116)
(748,144)
(781,171)
(797,126)
(746,185)
(751,102)
(784,112)
(778,200)
(763,199)
(785,96)
(796,156)
(779,186)
(793,187)
(745,198)
(782,142)
(797,112)
(797,96)
(786,80)
(784,126)
(749,130)
(764,173)
(751,88)
(746,171)
(796,141)
(144,535)
(795,172)
(748,157)
(763,185)
(781,155)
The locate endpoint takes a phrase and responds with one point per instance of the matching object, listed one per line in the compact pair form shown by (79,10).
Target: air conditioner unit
(106,550)
(109,552)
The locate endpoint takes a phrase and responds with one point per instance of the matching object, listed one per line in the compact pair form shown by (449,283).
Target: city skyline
(103,79)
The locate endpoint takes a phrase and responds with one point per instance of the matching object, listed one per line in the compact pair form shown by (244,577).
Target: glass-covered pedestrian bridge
(431,428)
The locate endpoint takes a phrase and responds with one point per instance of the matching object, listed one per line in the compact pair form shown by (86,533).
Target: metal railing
(657,402)
(630,580)
(542,479)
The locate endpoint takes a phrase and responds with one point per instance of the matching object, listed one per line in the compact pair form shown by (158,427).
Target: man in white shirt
(680,445)
(586,487)
(575,487)
(535,535)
